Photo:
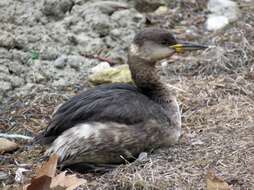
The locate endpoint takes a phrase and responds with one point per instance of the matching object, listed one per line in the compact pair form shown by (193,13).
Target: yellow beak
(181,47)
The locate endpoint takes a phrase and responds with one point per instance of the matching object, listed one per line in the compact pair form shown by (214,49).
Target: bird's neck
(147,79)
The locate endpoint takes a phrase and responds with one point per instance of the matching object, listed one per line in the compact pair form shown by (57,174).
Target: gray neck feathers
(147,79)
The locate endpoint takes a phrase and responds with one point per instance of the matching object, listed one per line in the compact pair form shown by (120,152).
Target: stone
(56,8)
(148,5)
(226,8)
(49,53)
(222,13)
(5,86)
(215,22)
(108,7)
(60,62)
(7,145)
(4,69)
(38,78)
(3,176)
(161,10)
(7,40)
(75,61)
(16,81)
(100,67)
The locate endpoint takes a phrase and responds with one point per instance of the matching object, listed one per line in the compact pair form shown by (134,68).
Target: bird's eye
(164,42)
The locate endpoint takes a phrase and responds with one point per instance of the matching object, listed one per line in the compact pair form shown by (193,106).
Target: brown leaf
(45,178)
(48,168)
(41,183)
(7,146)
(70,182)
(215,183)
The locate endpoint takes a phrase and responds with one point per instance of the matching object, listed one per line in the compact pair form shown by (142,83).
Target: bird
(113,123)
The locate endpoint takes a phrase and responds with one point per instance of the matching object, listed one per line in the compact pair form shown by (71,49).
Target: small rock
(148,5)
(7,146)
(56,8)
(16,67)
(4,69)
(216,22)
(16,81)
(225,8)
(142,156)
(48,53)
(5,86)
(38,78)
(108,7)
(3,176)
(222,13)
(60,62)
(75,61)
(112,75)
(100,67)
(7,40)
(161,10)
(60,82)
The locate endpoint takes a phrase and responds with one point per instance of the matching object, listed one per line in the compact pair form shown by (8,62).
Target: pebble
(4,86)
(3,176)
(222,13)
(100,67)
(60,62)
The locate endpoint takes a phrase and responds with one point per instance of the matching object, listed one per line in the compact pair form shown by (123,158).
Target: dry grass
(218,115)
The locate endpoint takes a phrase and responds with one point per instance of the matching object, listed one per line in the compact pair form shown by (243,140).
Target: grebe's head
(154,44)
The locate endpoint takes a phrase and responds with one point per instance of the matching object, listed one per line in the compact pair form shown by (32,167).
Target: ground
(215,90)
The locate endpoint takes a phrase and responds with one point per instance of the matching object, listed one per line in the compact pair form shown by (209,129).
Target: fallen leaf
(7,145)
(45,178)
(70,182)
(48,168)
(41,183)
(215,183)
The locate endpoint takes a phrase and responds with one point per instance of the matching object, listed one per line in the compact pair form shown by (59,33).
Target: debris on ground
(7,145)
(115,74)
(46,178)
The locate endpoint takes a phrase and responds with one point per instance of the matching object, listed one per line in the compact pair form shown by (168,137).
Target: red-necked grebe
(112,123)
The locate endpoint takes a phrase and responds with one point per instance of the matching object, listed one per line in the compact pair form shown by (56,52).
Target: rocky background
(50,48)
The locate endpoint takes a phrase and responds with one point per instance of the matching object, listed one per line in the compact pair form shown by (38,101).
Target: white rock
(60,62)
(222,13)
(216,22)
(226,8)
(100,67)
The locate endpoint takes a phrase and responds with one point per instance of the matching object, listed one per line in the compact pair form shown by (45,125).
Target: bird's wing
(120,103)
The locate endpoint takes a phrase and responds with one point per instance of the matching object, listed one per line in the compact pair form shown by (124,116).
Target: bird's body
(112,123)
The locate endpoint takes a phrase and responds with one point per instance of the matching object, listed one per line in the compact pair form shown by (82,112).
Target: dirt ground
(215,90)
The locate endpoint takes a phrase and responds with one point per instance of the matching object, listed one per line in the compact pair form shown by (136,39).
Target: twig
(176,88)
(111,62)
(14,136)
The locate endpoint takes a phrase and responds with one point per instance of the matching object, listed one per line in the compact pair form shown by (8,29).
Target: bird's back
(119,103)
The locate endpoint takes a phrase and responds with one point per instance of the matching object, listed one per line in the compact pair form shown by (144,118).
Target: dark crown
(159,36)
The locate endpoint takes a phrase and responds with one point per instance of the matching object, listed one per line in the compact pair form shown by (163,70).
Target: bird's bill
(181,47)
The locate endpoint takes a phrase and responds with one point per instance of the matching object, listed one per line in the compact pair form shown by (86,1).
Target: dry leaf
(70,182)
(48,168)
(215,183)
(41,183)
(7,146)
(46,180)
